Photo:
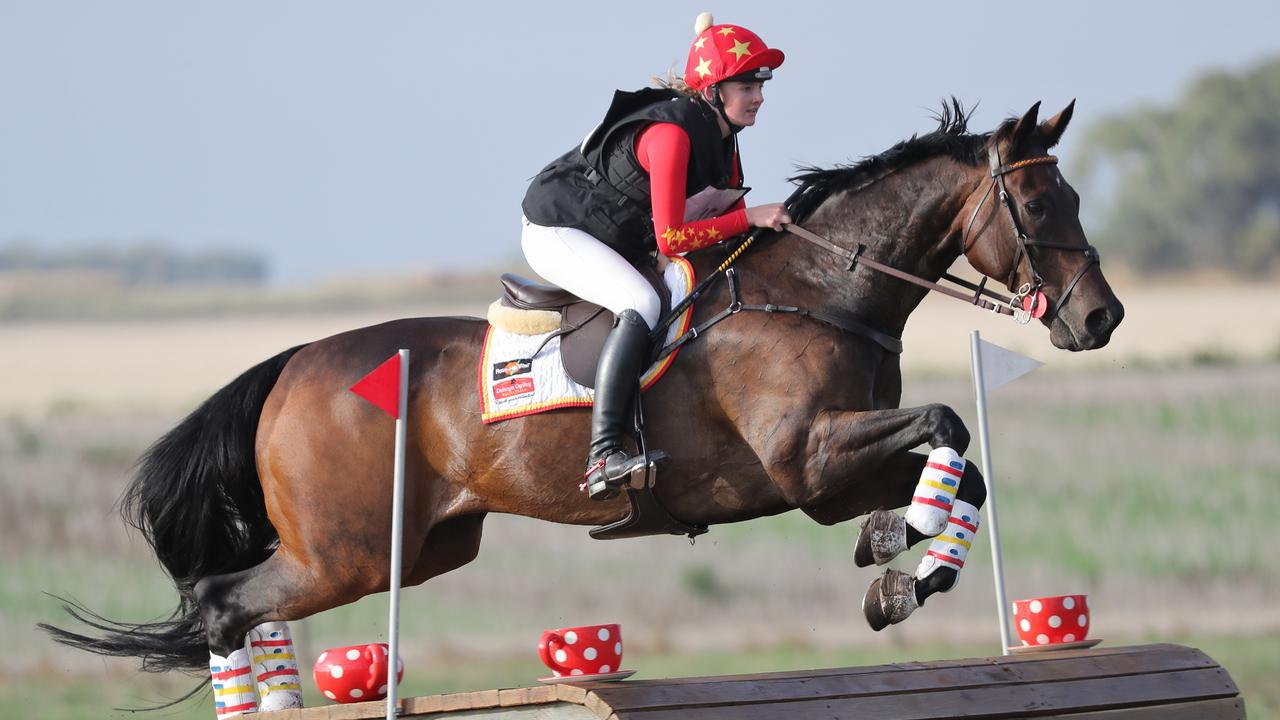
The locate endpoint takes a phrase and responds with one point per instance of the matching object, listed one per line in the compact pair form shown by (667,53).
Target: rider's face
(742,100)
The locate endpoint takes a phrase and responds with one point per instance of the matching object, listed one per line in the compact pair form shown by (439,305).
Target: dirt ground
(167,363)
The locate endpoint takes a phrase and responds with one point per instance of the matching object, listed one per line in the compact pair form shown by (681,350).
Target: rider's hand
(768,216)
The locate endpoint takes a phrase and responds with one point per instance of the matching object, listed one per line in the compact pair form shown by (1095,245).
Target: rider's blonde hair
(675,82)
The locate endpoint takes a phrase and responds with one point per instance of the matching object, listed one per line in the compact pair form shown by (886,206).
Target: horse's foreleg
(896,481)
(814,467)
(844,445)
(892,597)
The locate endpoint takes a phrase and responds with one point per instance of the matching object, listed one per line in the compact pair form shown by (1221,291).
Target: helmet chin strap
(717,102)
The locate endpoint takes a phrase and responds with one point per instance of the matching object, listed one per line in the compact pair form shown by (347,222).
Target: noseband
(1030,289)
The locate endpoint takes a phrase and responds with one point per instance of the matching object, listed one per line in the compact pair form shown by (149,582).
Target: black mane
(951,137)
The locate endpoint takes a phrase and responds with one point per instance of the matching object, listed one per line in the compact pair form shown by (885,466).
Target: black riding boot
(618,372)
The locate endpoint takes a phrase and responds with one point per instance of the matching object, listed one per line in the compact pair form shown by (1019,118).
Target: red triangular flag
(382,386)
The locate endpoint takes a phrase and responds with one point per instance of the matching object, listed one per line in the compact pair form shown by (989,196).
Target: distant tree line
(143,263)
(1195,185)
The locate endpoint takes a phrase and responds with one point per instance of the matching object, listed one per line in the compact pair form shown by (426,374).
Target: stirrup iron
(637,471)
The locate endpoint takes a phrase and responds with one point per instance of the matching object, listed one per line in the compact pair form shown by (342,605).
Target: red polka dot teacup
(1051,620)
(585,650)
(354,674)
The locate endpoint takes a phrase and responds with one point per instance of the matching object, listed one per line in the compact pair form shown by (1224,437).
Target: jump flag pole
(1000,367)
(397,539)
(388,388)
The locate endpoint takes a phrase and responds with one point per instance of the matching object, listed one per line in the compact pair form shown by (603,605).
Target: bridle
(1029,289)
(1027,303)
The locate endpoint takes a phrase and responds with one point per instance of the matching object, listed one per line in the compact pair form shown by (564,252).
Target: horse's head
(1022,227)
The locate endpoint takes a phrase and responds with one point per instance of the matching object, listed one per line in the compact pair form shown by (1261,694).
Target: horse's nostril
(1098,322)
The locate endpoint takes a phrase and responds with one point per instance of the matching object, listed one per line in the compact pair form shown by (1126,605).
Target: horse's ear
(1024,129)
(1052,128)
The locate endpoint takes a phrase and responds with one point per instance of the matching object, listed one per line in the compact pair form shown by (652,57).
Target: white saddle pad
(514,382)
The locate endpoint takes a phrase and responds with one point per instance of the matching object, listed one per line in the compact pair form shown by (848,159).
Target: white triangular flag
(1001,366)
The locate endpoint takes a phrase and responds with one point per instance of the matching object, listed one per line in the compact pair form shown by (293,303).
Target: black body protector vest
(600,188)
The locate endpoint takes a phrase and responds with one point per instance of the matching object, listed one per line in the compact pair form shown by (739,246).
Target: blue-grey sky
(391,135)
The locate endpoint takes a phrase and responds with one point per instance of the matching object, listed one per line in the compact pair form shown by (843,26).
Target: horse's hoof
(871,607)
(883,538)
(889,600)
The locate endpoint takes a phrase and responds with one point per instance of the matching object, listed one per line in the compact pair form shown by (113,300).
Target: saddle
(581,326)
(533,308)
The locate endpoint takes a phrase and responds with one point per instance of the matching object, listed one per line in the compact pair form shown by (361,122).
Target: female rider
(596,212)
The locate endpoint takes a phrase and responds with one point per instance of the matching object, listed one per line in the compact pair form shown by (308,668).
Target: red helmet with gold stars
(721,52)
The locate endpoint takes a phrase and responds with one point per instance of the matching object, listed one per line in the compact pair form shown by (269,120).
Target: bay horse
(269,502)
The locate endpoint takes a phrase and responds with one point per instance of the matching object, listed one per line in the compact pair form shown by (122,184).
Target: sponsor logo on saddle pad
(514,387)
(522,374)
(511,368)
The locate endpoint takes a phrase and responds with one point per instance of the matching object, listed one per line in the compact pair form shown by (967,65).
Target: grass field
(1152,490)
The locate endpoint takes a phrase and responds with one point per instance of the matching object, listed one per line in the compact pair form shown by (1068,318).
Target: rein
(1022,306)
(854,257)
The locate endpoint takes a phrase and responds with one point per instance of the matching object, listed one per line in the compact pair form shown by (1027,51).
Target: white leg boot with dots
(936,492)
(275,667)
(950,548)
(233,693)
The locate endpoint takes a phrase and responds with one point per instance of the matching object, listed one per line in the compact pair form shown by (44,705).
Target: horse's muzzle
(1091,334)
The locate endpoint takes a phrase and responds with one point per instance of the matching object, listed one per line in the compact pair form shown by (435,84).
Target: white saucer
(1077,645)
(598,677)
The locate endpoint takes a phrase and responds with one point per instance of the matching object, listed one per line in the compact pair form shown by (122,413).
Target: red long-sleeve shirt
(663,151)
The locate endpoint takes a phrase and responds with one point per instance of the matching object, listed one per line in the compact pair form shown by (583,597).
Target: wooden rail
(1168,682)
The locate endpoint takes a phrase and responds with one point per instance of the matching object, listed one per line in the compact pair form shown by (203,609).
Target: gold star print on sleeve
(698,235)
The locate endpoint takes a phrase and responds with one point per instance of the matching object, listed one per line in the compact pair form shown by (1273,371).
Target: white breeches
(586,267)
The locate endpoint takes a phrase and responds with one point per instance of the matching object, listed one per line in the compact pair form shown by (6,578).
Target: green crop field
(1149,488)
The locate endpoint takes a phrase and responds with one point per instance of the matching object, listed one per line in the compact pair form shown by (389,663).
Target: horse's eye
(1035,207)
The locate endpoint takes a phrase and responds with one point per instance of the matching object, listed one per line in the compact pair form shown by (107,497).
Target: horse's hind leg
(231,665)
(275,666)
(449,545)
(269,664)
(256,603)
(279,588)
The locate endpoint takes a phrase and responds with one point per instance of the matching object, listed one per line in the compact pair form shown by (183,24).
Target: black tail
(197,500)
